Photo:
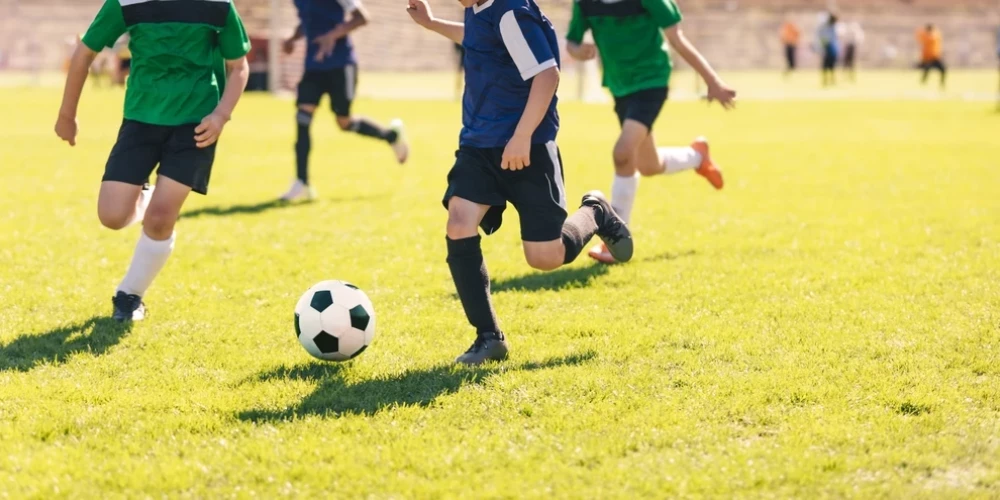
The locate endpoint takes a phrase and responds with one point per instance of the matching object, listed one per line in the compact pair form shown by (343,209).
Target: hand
(582,51)
(517,154)
(719,91)
(289,46)
(420,12)
(66,128)
(208,132)
(328,42)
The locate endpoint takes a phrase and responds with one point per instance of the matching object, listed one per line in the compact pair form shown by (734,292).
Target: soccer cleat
(601,254)
(610,227)
(487,347)
(401,147)
(708,168)
(298,190)
(128,307)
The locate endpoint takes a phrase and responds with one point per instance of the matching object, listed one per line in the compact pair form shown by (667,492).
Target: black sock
(368,128)
(302,147)
(577,231)
(468,270)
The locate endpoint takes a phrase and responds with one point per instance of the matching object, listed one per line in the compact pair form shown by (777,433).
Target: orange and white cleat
(601,254)
(708,169)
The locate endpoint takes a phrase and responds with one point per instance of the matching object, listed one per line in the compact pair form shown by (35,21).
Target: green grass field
(827,326)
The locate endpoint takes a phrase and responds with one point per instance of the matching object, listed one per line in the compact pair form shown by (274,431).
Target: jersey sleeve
(349,6)
(525,40)
(578,25)
(107,27)
(666,13)
(233,40)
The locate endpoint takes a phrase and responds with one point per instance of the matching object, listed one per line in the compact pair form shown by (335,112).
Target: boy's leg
(311,89)
(342,91)
(474,200)
(123,200)
(673,160)
(944,72)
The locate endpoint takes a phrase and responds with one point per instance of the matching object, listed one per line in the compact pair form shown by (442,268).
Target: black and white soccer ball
(335,321)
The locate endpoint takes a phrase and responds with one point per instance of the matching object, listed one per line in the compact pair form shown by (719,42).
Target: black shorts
(850,54)
(934,64)
(142,146)
(643,106)
(791,53)
(537,192)
(340,83)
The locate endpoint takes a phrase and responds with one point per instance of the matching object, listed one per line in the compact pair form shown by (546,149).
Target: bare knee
(159,223)
(545,257)
(623,160)
(544,263)
(345,123)
(461,225)
(112,218)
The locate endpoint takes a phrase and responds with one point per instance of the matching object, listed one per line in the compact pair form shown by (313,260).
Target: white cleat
(401,147)
(299,190)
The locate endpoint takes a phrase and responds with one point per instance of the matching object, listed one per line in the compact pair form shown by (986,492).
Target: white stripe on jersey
(349,5)
(519,50)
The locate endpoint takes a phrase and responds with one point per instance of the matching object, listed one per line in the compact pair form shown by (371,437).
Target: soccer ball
(335,321)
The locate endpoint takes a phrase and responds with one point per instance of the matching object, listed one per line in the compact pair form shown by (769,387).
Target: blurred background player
(853,36)
(508,153)
(175,111)
(637,67)
(460,69)
(121,61)
(331,68)
(931,53)
(790,37)
(828,39)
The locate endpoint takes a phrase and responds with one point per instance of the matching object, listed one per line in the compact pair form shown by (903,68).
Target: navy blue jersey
(319,17)
(507,43)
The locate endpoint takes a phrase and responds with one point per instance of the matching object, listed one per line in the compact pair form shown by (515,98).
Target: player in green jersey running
(629,34)
(176,106)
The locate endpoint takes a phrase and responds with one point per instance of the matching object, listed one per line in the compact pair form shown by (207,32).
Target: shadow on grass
(561,279)
(256,208)
(97,335)
(418,387)
(670,256)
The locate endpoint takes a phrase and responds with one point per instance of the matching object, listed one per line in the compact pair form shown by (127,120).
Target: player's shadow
(561,279)
(221,211)
(97,335)
(666,256)
(335,397)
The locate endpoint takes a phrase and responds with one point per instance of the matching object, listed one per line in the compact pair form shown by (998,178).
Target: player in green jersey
(629,34)
(175,109)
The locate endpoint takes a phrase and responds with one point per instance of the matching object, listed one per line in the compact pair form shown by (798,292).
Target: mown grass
(829,325)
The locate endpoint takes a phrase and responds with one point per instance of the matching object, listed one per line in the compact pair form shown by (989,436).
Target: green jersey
(177,48)
(629,36)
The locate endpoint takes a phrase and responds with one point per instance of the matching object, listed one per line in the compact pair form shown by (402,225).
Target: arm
(517,154)
(421,14)
(358,18)
(76,77)
(208,132)
(289,45)
(578,27)
(717,89)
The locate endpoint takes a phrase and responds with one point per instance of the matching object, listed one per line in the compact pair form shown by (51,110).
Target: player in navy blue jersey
(507,153)
(331,68)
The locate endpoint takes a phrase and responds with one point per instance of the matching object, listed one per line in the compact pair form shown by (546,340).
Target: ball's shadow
(334,397)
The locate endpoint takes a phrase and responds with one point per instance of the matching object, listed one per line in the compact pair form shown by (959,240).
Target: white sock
(149,258)
(623,191)
(140,206)
(679,159)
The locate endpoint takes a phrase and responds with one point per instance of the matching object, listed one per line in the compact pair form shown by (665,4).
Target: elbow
(361,18)
(551,76)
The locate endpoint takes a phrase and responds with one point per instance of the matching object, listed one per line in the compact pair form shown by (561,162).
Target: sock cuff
(465,246)
(154,246)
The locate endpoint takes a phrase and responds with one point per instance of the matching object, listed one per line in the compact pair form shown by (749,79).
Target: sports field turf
(828,325)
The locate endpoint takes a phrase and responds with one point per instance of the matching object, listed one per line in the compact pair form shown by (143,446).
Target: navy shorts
(537,192)
(339,83)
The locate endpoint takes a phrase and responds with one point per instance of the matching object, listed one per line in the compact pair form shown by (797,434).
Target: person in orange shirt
(931,53)
(790,36)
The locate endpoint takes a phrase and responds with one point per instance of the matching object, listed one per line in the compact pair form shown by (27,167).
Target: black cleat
(610,227)
(128,307)
(487,347)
